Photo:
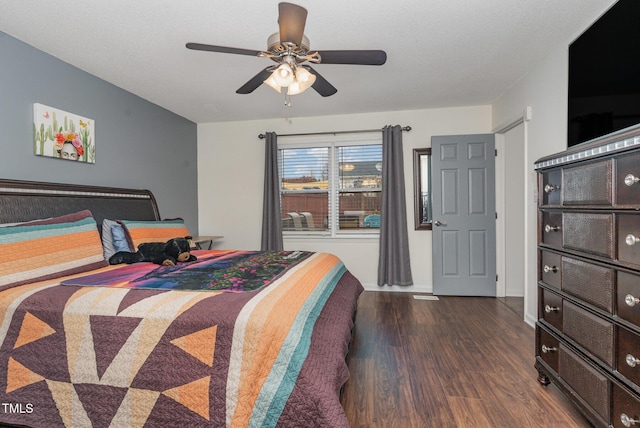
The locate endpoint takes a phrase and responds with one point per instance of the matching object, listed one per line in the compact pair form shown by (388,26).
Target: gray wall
(138,144)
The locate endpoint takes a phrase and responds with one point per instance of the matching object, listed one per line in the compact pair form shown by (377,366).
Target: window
(332,188)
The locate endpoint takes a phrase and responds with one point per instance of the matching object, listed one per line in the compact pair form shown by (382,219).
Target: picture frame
(63,135)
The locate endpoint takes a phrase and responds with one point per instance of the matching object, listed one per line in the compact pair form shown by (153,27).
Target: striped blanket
(122,357)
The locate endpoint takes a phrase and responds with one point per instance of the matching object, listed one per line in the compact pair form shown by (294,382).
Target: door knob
(439,223)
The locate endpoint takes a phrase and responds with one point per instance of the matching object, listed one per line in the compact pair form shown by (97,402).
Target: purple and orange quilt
(264,346)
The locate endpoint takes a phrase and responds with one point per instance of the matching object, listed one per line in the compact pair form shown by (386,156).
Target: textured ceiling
(441,53)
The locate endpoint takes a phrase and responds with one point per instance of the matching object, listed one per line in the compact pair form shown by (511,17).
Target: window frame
(333,191)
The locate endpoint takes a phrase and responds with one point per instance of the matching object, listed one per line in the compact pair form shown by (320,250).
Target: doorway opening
(511,174)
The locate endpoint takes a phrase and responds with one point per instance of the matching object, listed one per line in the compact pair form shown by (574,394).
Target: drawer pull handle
(548,309)
(548,269)
(631,300)
(548,228)
(550,188)
(629,180)
(547,349)
(631,240)
(627,421)
(631,360)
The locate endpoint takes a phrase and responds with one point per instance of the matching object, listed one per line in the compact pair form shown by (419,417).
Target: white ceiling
(441,53)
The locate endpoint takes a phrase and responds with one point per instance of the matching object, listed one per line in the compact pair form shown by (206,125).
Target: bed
(268,349)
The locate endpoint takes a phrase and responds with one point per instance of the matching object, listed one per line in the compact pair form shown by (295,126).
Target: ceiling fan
(289,49)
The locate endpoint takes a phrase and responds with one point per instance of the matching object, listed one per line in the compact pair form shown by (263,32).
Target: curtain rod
(262,136)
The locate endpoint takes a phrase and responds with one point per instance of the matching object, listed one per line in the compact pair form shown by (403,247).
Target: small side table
(199,241)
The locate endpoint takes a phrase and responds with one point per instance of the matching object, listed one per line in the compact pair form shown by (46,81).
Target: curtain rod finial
(406,128)
(261,136)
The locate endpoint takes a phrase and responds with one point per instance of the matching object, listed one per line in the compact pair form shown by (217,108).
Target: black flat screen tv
(604,75)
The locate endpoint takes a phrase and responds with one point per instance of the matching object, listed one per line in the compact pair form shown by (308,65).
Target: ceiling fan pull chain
(287,99)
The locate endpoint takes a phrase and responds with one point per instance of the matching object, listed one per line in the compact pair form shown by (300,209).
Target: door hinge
(496,278)
(496,216)
(496,152)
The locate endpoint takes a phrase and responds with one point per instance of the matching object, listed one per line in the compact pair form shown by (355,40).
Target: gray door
(464,222)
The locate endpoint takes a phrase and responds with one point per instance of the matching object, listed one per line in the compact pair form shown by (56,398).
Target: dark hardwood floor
(452,362)
(515,304)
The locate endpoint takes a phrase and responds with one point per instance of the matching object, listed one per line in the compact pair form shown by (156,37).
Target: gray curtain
(271,213)
(394,266)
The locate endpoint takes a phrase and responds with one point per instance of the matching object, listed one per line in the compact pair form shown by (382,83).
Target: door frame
(501,201)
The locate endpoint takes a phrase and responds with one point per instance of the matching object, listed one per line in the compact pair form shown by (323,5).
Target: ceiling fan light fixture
(283,75)
(295,88)
(271,81)
(304,78)
(303,81)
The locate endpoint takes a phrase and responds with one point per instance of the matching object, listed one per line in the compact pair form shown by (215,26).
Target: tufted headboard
(31,200)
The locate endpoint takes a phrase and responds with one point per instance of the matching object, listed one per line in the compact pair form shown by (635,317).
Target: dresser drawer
(626,407)
(548,350)
(551,187)
(591,385)
(628,297)
(589,282)
(552,228)
(627,189)
(628,355)
(551,309)
(588,271)
(589,232)
(629,238)
(593,333)
(588,184)
(551,269)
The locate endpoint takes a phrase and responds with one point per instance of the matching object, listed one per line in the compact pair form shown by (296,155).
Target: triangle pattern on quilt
(69,407)
(200,345)
(99,400)
(18,376)
(193,395)
(106,344)
(135,408)
(32,329)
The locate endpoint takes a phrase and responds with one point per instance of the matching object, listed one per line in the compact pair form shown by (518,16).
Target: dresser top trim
(611,143)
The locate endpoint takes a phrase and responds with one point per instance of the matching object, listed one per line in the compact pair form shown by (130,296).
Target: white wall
(544,89)
(230,177)
(514,207)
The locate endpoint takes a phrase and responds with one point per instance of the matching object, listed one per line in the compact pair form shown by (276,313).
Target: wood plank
(457,361)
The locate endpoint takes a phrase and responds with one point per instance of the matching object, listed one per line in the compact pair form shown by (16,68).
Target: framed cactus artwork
(63,135)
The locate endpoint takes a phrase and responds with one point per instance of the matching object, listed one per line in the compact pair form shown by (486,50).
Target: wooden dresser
(588,328)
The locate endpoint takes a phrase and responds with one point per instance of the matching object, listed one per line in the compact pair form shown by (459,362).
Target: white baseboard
(517,293)
(531,320)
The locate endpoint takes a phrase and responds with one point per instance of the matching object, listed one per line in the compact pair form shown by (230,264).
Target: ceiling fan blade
(358,57)
(321,85)
(222,49)
(255,81)
(291,19)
